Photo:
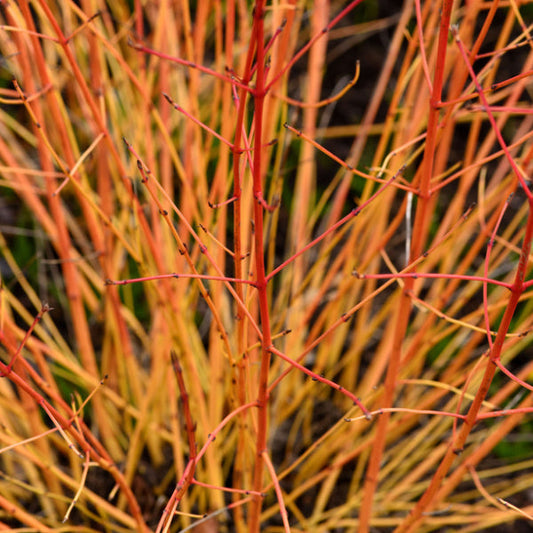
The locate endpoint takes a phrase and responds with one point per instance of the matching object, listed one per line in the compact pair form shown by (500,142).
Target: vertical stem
(421,227)
(64,246)
(262,394)
(241,463)
(404,306)
(305,187)
(372,109)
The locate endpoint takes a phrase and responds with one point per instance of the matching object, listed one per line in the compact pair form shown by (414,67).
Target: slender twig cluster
(245,289)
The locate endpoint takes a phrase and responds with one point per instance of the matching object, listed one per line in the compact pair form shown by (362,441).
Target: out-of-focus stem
(404,305)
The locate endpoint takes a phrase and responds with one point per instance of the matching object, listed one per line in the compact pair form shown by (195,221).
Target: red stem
(421,227)
(261,280)
(433,494)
